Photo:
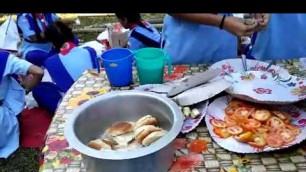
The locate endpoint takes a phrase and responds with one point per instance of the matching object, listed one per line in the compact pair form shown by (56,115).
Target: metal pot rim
(75,143)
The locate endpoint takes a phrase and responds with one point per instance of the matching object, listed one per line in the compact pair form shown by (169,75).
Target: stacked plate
(259,85)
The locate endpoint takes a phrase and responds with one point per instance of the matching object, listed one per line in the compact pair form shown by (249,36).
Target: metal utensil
(202,92)
(193,81)
(244,62)
(93,117)
(269,65)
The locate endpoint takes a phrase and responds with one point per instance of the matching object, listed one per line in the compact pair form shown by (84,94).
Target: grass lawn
(26,159)
(98,21)
(23,160)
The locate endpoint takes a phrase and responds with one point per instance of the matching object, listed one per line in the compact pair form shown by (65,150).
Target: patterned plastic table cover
(57,156)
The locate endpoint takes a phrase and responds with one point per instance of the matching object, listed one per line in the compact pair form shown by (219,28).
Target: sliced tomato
(218,123)
(221,132)
(237,103)
(250,124)
(261,115)
(229,111)
(242,113)
(244,137)
(276,123)
(180,69)
(230,121)
(234,130)
(274,141)
(261,130)
(173,76)
(294,129)
(258,141)
(282,115)
(286,135)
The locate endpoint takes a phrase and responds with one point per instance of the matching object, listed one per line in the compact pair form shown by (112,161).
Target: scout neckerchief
(42,20)
(67,48)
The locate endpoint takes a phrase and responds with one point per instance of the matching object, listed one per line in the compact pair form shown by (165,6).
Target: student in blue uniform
(65,67)
(142,34)
(203,38)
(284,37)
(34,47)
(12,97)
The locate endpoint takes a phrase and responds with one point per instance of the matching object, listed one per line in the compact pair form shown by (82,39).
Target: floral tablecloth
(57,156)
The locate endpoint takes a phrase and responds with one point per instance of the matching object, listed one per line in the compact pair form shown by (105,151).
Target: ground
(26,159)
(23,160)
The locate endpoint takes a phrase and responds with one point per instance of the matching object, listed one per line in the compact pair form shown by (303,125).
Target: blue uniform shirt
(66,69)
(140,37)
(12,96)
(24,24)
(192,43)
(76,62)
(284,38)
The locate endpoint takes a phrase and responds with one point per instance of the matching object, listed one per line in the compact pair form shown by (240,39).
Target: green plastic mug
(150,63)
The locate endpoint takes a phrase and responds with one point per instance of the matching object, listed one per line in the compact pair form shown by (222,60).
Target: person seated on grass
(142,33)
(12,97)
(35,48)
(64,67)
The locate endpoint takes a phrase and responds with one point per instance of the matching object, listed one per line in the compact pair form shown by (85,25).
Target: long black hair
(131,17)
(59,33)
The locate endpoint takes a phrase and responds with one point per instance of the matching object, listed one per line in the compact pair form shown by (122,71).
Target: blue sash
(59,73)
(3,60)
(93,56)
(147,37)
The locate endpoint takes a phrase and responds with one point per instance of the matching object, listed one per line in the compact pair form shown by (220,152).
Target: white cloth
(9,36)
(98,47)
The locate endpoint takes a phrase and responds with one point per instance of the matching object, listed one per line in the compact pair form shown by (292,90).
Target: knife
(201,93)
(193,81)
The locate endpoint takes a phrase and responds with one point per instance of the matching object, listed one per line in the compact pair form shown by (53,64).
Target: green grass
(23,160)
(100,20)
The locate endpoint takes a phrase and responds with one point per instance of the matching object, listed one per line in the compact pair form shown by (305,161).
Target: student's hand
(33,77)
(263,20)
(239,27)
(26,81)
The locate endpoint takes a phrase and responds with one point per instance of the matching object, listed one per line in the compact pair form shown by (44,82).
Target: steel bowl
(93,117)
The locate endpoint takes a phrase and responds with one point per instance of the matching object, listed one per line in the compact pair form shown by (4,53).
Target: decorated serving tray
(235,65)
(241,127)
(264,87)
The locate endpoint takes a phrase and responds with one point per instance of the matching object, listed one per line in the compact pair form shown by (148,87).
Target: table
(57,156)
